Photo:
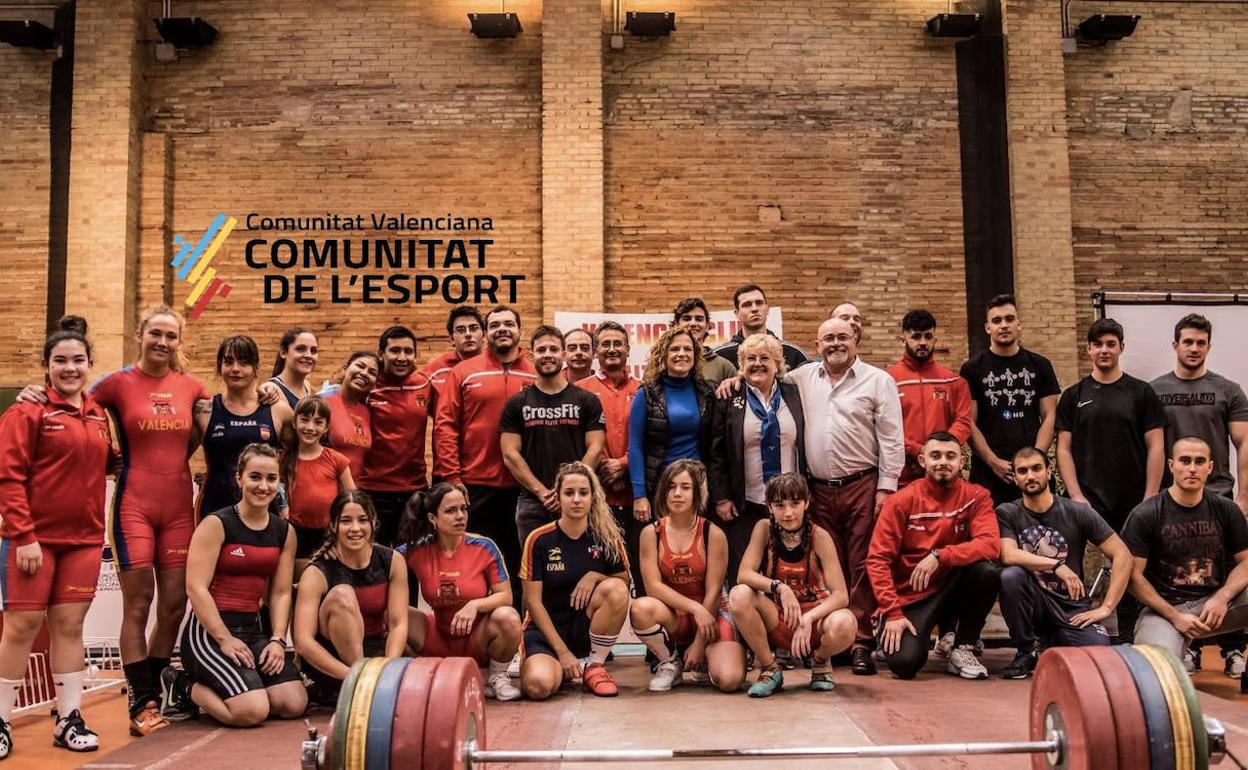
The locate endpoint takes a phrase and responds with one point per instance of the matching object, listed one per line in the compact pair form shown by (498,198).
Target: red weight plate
(1068,683)
(1129,720)
(407,734)
(456,713)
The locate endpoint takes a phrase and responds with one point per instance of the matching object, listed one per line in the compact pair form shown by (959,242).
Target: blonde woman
(575,576)
(670,418)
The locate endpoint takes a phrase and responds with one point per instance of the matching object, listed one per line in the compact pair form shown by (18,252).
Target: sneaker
(175,695)
(770,679)
(785,660)
(500,688)
(513,668)
(598,681)
(821,676)
(862,664)
(6,740)
(962,662)
(667,674)
(943,646)
(72,733)
(147,720)
(698,674)
(1191,660)
(1022,666)
(1234,664)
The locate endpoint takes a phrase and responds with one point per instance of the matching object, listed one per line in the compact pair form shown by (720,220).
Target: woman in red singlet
(684,619)
(790,591)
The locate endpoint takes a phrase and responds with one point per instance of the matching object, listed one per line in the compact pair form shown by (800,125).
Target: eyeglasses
(466,329)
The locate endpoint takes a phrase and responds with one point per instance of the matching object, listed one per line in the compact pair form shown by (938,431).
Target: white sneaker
(1189,660)
(699,675)
(667,675)
(1234,665)
(513,668)
(962,661)
(500,688)
(943,645)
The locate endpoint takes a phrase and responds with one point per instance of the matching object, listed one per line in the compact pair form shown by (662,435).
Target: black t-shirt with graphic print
(552,428)
(1190,551)
(1007,392)
(1061,532)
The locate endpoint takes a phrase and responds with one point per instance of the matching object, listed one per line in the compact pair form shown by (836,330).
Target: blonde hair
(179,363)
(656,364)
(602,522)
(771,345)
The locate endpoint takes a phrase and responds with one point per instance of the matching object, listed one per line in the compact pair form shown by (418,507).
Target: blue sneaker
(770,679)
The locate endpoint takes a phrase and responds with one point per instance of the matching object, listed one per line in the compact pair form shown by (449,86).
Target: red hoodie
(933,399)
(470,405)
(400,416)
(53,459)
(959,520)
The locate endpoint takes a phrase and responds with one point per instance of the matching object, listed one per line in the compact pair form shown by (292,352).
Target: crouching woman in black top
(352,597)
(238,673)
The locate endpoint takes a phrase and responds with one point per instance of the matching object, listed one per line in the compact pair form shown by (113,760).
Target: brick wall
(25,81)
(840,114)
(1158,153)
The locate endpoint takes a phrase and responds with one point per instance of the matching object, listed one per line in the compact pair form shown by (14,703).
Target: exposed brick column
(104,174)
(155,273)
(1044,265)
(572,176)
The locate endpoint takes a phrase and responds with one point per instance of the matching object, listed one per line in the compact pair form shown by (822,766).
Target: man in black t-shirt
(1013,400)
(1191,556)
(1110,432)
(1043,538)
(545,426)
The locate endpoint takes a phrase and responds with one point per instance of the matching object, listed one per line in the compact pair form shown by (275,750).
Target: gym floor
(863,710)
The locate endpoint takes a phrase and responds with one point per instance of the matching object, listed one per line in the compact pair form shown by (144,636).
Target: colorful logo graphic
(193,264)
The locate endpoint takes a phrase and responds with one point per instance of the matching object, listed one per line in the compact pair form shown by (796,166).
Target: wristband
(279,640)
(775,588)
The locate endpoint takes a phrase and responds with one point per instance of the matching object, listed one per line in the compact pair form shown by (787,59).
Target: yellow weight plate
(1176,703)
(361,704)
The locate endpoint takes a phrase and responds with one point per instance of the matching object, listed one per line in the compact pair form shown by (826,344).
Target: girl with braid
(313,475)
(791,591)
(575,576)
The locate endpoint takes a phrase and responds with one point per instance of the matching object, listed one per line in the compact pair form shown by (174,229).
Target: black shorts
(307,540)
(328,686)
(574,633)
(206,664)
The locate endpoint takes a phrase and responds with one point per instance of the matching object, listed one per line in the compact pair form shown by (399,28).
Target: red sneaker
(597,680)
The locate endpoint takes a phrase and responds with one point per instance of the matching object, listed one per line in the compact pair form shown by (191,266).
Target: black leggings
(966,597)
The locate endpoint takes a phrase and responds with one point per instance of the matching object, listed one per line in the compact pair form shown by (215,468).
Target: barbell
(1091,708)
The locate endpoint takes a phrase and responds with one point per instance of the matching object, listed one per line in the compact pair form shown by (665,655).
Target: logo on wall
(193,262)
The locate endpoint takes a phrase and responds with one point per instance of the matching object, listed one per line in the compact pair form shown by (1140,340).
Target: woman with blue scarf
(757,433)
(670,418)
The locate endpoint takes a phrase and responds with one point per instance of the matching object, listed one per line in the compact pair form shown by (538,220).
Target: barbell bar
(1091,708)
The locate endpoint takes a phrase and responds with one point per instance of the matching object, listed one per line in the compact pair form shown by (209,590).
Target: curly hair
(656,364)
(602,523)
(768,343)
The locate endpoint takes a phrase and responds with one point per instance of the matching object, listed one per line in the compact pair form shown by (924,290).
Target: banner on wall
(645,328)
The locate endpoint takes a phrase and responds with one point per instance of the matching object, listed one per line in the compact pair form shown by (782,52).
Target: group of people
(735,503)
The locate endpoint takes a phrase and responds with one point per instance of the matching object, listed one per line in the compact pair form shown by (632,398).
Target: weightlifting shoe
(598,681)
(175,695)
(72,733)
(667,674)
(963,663)
(770,679)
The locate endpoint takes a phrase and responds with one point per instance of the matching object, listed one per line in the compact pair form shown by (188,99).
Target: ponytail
(415,527)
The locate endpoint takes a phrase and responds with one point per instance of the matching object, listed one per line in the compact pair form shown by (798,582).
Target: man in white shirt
(855,451)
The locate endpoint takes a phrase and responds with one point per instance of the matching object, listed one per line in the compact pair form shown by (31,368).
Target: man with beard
(465,330)
(751,307)
(1200,403)
(578,355)
(465,433)
(691,313)
(615,388)
(933,398)
(398,406)
(1191,557)
(931,557)
(1014,394)
(544,426)
(855,453)
(1043,538)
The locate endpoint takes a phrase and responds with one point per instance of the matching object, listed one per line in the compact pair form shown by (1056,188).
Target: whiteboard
(1149,332)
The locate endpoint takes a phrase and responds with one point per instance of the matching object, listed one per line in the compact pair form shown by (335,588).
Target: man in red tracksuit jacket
(466,330)
(933,398)
(466,439)
(931,558)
